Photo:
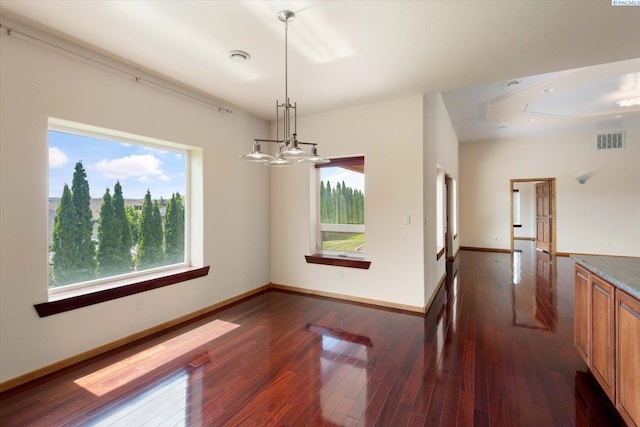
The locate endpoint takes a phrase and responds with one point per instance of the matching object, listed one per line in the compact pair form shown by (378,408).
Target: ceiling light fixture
(289,151)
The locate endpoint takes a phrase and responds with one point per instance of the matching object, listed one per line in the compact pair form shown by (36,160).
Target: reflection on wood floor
(495,349)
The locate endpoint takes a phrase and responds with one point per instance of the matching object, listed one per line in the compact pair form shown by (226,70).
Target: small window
(516,208)
(341,205)
(116,207)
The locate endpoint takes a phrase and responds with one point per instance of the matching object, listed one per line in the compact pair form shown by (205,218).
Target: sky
(137,167)
(337,174)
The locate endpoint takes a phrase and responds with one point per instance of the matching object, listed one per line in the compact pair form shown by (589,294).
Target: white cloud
(146,167)
(57,158)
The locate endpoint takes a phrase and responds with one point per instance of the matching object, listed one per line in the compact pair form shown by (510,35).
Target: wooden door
(628,357)
(582,314)
(602,334)
(543,216)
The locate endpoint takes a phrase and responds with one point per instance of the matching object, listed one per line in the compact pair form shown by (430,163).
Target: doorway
(533,212)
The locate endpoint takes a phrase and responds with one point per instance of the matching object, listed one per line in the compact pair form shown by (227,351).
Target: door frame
(552,185)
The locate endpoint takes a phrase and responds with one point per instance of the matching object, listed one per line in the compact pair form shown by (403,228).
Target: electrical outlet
(139,304)
(340,274)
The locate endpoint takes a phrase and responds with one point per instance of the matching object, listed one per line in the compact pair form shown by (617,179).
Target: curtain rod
(131,73)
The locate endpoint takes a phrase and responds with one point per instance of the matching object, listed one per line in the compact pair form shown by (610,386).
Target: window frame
(320,227)
(81,294)
(335,258)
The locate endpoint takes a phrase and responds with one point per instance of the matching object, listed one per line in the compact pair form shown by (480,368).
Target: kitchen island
(607,327)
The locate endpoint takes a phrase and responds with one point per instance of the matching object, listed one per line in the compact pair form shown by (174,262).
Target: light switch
(406,220)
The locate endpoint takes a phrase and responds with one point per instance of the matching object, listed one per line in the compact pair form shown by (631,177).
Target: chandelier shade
(289,150)
(256,155)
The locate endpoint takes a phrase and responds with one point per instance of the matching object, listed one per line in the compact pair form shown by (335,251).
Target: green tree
(109,240)
(81,198)
(341,205)
(150,252)
(64,244)
(174,230)
(122,223)
(133,217)
(324,212)
(330,204)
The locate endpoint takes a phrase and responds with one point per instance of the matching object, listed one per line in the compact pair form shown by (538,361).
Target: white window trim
(82,288)
(318,227)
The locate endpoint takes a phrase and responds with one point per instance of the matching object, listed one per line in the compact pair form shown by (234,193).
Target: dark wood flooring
(496,349)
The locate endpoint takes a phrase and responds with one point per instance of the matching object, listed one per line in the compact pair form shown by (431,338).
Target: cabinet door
(581,311)
(628,357)
(603,334)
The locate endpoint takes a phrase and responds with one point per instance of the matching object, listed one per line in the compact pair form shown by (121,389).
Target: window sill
(78,301)
(338,261)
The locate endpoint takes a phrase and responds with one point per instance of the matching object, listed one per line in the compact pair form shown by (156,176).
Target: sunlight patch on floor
(124,371)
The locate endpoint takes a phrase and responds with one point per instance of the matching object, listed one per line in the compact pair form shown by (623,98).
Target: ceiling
(348,53)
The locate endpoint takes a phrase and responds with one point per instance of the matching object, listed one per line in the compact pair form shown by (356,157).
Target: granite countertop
(623,272)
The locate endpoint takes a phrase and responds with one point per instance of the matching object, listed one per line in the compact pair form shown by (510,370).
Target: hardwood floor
(495,349)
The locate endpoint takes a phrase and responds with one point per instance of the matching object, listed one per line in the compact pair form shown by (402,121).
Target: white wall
(599,217)
(389,135)
(440,148)
(37,83)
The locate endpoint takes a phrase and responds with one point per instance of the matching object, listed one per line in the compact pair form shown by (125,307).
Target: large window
(117,207)
(341,206)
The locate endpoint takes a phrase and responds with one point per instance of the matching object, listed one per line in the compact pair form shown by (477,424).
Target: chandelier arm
(277,141)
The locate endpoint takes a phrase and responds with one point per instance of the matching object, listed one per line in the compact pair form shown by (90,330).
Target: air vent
(610,141)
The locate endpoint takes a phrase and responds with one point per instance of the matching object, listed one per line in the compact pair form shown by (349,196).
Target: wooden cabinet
(607,337)
(581,310)
(627,311)
(603,334)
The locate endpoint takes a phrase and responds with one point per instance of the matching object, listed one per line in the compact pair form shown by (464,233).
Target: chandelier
(289,150)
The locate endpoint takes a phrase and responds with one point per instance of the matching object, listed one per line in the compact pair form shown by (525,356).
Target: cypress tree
(323,202)
(109,239)
(335,201)
(150,253)
(64,244)
(133,218)
(342,205)
(81,198)
(330,219)
(174,230)
(122,224)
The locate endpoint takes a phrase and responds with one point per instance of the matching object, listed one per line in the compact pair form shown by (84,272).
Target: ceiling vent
(610,141)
